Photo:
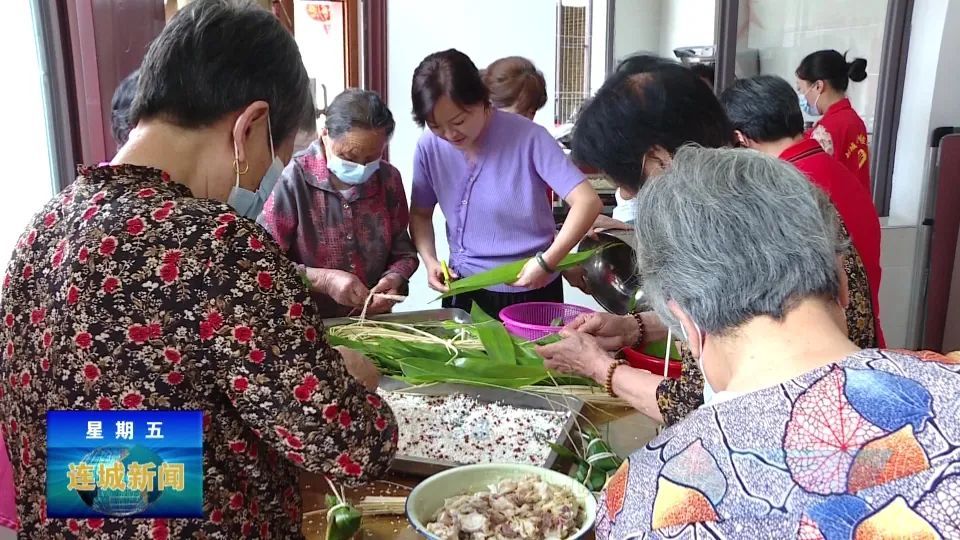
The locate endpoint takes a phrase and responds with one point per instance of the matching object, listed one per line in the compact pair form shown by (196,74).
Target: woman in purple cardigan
(487,170)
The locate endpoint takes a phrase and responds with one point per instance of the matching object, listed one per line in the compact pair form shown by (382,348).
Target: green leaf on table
(566,453)
(497,342)
(385,352)
(597,479)
(472,372)
(479,315)
(526,356)
(601,456)
(344,523)
(508,273)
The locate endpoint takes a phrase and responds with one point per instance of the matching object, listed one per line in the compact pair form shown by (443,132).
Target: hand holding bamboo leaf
(577,353)
(509,273)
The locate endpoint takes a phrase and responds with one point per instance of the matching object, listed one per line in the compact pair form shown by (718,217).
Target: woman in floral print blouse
(138,288)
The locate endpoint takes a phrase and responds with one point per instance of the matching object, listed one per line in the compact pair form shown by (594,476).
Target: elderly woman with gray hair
(809,435)
(340,211)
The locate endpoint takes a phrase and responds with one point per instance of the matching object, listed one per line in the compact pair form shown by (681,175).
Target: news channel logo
(125,464)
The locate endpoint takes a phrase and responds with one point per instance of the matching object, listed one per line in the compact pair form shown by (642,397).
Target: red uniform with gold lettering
(842,134)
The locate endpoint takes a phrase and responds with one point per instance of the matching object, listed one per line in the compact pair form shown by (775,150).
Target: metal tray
(409,317)
(424,467)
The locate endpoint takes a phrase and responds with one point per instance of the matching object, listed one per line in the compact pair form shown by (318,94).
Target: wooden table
(625,429)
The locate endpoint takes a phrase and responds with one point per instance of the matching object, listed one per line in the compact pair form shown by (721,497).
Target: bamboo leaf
(487,374)
(526,356)
(566,453)
(497,342)
(478,314)
(597,479)
(508,273)
(343,523)
(495,338)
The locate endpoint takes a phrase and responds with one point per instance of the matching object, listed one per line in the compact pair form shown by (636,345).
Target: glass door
(27,147)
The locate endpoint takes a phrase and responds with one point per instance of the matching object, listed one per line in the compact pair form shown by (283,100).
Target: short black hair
(641,63)
(357,108)
(763,108)
(120,108)
(831,66)
(446,73)
(215,57)
(667,105)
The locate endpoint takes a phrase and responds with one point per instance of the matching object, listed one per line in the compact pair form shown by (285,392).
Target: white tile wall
(637,27)
(785,32)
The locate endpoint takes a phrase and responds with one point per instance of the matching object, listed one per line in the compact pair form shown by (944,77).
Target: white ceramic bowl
(424,501)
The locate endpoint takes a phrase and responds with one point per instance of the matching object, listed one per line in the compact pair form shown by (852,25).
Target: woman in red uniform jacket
(822,80)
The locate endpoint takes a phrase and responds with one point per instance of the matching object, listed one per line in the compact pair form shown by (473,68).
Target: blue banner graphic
(132,464)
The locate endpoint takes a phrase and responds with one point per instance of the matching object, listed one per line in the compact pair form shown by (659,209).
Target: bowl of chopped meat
(501,501)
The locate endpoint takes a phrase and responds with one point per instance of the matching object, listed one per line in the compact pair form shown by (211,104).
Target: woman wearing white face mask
(340,211)
(138,287)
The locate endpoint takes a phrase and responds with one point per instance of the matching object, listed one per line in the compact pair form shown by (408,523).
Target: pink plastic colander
(532,320)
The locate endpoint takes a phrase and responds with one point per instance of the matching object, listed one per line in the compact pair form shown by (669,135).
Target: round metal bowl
(612,274)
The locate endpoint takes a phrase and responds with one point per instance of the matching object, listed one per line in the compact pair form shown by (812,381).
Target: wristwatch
(543,263)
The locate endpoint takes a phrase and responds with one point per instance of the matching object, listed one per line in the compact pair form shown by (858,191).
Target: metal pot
(704,54)
(612,273)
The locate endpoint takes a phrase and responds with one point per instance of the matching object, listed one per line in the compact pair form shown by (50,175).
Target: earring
(236,167)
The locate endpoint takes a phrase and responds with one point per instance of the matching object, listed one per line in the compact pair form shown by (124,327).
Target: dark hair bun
(857,69)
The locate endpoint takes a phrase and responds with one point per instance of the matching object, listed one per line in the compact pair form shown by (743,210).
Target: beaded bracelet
(609,384)
(643,330)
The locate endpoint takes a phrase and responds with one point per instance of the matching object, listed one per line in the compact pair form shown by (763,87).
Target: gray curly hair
(730,235)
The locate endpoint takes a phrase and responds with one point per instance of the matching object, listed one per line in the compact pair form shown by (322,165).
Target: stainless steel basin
(612,273)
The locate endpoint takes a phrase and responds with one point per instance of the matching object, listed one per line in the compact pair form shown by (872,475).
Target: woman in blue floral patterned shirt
(808,435)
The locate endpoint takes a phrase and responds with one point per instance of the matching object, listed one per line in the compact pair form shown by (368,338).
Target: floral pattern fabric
(677,398)
(128,293)
(865,448)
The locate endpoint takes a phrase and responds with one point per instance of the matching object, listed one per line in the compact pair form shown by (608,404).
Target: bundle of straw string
(372,506)
(591,395)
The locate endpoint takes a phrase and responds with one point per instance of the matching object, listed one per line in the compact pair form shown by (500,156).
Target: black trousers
(492,302)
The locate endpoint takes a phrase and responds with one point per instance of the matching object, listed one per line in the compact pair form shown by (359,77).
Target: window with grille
(573,57)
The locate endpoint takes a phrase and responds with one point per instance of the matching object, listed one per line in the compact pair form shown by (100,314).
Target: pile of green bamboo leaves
(481,353)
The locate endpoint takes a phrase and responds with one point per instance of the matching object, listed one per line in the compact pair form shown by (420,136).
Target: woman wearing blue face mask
(822,80)
(340,211)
